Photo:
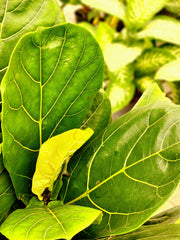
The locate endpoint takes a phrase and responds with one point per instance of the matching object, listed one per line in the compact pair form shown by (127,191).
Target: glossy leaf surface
(113,7)
(169,72)
(47,90)
(19,17)
(48,222)
(139,12)
(162,28)
(7,194)
(54,156)
(141,168)
(151,60)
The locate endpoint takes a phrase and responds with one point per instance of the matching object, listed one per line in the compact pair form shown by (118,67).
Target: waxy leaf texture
(53,76)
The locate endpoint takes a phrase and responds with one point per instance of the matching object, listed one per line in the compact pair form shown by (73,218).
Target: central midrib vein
(40,87)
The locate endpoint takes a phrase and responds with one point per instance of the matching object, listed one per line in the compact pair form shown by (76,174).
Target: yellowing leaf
(54,156)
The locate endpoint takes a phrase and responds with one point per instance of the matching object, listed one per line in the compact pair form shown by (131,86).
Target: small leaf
(169,72)
(48,222)
(54,156)
(144,82)
(139,12)
(19,17)
(173,6)
(162,28)
(113,7)
(152,93)
(118,55)
(172,49)
(151,60)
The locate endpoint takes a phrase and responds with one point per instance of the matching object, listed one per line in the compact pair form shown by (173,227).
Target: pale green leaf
(104,34)
(173,6)
(19,17)
(140,155)
(139,12)
(162,28)
(151,60)
(54,156)
(47,90)
(113,7)
(117,55)
(169,72)
(48,222)
(88,27)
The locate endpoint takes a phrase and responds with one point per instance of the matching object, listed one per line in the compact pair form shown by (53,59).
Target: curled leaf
(54,156)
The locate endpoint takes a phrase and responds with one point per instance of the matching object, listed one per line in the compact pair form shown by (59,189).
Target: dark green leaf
(19,17)
(47,90)
(130,170)
(48,222)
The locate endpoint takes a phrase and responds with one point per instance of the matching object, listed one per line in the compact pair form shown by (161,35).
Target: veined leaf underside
(45,84)
(128,166)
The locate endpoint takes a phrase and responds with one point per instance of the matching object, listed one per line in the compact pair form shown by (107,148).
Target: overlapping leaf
(173,6)
(113,7)
(52,79)
(48,222)
(19,17)
(169,72)
(139,151)
(139,12)
(162,28)
(151,60)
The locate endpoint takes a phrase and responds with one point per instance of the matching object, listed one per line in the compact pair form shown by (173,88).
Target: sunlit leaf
(48,222)
(47,90)
(117,55)
(19,17)
(151,60)
(173,6)
(139,12)
(172,49)
(144,82)
(140,156)
(114,7)
(162,28)
(54,156)
(169,72)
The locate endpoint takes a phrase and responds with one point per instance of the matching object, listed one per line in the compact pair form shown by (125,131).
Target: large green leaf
(173,6)
(162,28)
(48,222)
(139,12)
(7,194)
(99,115)
(114,7)
(151,60)
(141,168)
(47,90)
(169,72)
(19,17)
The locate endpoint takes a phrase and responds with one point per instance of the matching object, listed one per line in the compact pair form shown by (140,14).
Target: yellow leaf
(54,156)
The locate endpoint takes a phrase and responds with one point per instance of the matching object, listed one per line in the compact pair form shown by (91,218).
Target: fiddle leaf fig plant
(67,171)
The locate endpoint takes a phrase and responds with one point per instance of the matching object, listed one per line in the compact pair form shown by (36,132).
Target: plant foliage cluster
(66,169)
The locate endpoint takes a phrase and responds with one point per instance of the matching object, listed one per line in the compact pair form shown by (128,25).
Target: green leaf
(99,115)
(139,12)
(54,156)
(173,6)
(169,72)
(141,168)
(113,7)
(19,17)
(121,90)
(175,88)
(162,28)
(156,232)
(7,195)
(104,34)
(48,222)
(172,49)
(88,27)
(47,90)
(151,60)
(118,55)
